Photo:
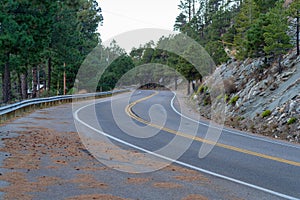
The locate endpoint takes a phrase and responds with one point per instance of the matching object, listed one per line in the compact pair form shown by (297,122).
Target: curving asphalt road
(153,123)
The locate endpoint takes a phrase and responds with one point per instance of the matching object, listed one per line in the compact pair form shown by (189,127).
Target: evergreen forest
(43,43)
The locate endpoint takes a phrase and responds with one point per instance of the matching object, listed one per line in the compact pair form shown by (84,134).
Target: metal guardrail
(17,109)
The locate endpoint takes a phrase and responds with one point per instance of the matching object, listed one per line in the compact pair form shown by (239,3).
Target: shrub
(240,118)
(226,98)
(266,113)
(207,100)
(292,120)
(219,97)
(46,93)
(233,100)
(72,91)
(201,89)
(229,86)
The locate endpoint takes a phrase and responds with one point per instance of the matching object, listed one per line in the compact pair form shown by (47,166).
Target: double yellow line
(130,113)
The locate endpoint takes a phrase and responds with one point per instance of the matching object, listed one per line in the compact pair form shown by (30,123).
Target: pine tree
(9,35)
(188,8)
(255,42)
(181,21)
(33,33)
(265,5)
(275,36)
(245,19)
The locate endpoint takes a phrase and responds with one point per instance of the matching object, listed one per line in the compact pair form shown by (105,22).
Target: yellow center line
(130,113)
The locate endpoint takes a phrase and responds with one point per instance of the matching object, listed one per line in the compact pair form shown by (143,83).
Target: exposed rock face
(261,88)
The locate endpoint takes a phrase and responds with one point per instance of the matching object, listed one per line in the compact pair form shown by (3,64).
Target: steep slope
(259,98)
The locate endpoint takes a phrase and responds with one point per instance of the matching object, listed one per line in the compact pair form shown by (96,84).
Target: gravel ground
(42,157)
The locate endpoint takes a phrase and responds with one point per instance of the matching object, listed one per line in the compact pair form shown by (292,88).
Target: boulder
(292,106)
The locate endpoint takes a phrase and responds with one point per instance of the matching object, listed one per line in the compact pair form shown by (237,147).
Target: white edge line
(230,131)
(179,162)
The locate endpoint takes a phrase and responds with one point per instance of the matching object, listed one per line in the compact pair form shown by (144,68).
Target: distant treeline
(43,42)
(241,28)
(40,41)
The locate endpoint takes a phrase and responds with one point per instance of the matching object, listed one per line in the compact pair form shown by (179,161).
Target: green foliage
(40,36)
(72,91)
(251,28)
(265,5)
(202,89)
(255,40)
(207,25)
(228,37)
(180,22)
(207,100)
(114,72)
(266,113)
(188,61)
(217,52)
(240,118)
(261,29)
(233,100)
(275,33)
(219,97)
(187,70)
(244,21)
(294,8)
(226,98)
(292,120)
(50,93)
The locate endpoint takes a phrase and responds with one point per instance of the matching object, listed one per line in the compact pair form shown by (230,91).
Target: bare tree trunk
(189,88)
(65,80)
(34,82)
(45,82)
(38,82)
(6,82)
(49,74)
(24,88)
(297,39)
(279,64)
(2,96)
(194,86)
(190,10)
(194,8)
(19,85)
(57,89)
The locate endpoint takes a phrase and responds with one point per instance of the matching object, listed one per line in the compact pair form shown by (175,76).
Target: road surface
(258,162)
(43,157)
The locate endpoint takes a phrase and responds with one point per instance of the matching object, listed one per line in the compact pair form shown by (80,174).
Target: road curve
(258,162)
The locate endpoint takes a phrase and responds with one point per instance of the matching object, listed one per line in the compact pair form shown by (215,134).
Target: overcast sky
(126,15)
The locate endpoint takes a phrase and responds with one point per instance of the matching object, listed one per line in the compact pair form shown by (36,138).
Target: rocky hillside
(258,98)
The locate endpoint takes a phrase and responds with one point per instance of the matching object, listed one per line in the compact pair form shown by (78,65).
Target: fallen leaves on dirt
(195,197)
(175,168)
(167,185)
(138,180)
(189,178)
(86,181)
(20,186)
(96,196)
(26,152)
